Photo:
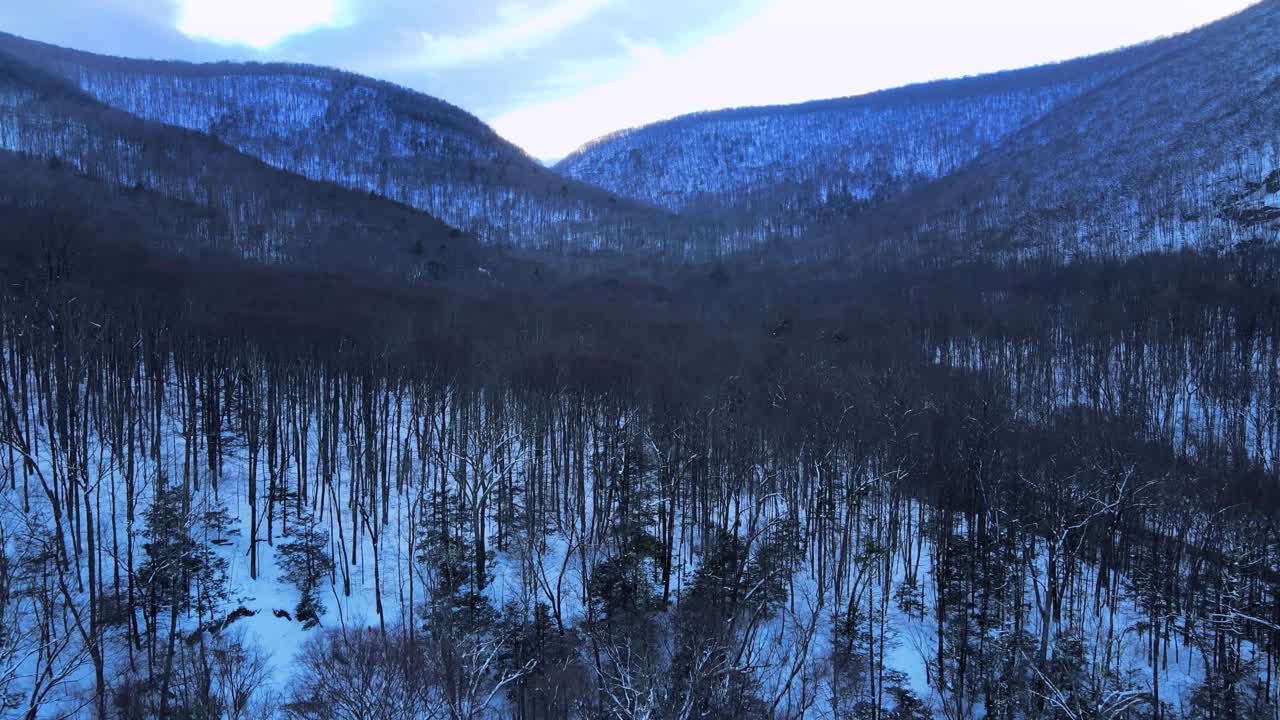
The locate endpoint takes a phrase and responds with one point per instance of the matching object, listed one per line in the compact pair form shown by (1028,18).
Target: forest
(320,401)
(981,491)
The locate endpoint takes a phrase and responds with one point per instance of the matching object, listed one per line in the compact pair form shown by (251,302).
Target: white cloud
(519,28)
(256,23)
(796,50)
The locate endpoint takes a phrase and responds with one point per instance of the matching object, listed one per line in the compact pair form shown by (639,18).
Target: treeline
(1018,491)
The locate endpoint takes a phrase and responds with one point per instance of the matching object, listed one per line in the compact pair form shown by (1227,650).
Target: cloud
(514,50)
(256,23)
(519,28)
(796,50)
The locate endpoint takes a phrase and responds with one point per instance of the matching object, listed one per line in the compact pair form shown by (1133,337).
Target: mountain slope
(213,196)
(1183,151)
(777,167)
(364,134)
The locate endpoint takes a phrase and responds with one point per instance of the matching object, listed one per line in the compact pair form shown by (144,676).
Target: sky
(551,75)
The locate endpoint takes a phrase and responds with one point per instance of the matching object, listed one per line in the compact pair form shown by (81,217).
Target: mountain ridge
(366,134)
(856,166)
(1150,161)
(244,205)
(899,93)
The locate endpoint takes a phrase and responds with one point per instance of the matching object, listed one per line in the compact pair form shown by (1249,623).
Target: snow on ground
(552,572)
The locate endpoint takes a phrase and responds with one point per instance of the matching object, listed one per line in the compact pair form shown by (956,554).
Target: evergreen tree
(305,560)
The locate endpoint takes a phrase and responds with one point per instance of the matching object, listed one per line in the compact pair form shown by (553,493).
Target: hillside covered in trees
(1155,147)
(779,166)
(366,135)
(982,421)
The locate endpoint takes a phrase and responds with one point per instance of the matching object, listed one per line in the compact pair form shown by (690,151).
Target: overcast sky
(553,74)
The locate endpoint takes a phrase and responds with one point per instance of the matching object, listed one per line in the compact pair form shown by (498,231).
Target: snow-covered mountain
(779,166)
(1161,145)
(207,195)
(363,134)
(857,146)
(1181,151)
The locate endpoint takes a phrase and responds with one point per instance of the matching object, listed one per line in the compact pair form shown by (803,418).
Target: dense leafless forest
(916,418)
